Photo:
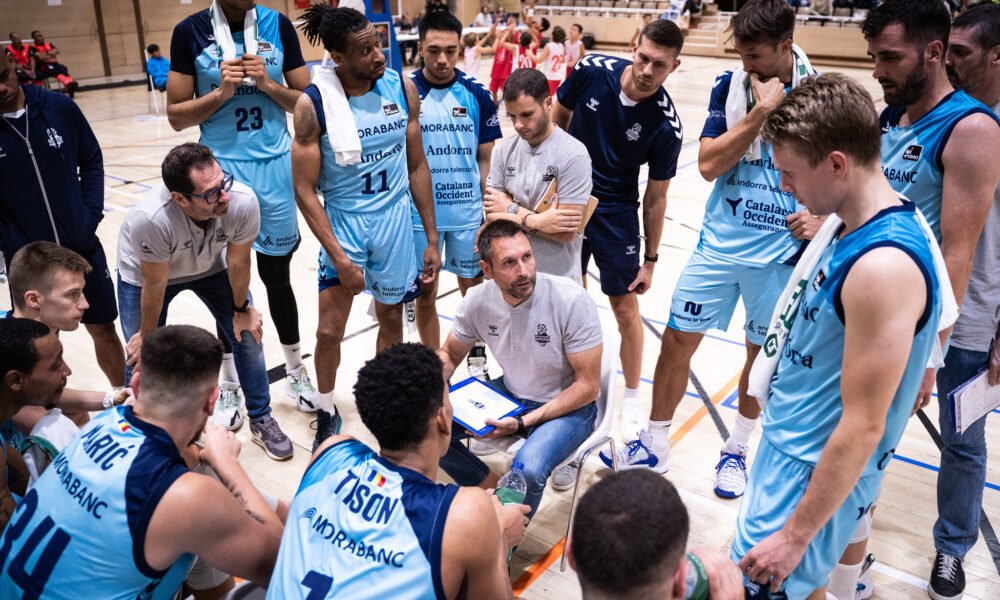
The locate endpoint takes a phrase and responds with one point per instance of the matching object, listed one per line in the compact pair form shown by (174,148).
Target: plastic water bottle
(512,488)
(696,582)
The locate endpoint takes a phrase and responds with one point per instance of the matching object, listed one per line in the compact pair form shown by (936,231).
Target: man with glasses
(173,241)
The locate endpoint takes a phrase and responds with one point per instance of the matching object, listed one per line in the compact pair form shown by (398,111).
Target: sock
(844,581)
(293,356)
(631,393)
(228,372)
(739,439)
(324,402)
(658,433)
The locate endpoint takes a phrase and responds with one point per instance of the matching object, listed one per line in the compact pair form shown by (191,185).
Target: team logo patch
(146,248)
(220,235)
(550,173)
(818,281)
(633,132)
(542,334)
(390,109)
(55,140)
(459,111)
(913,152)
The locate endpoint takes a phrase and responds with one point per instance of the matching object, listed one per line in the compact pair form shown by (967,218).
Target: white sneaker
(730,475)
(481,448)
(865,585)
(299,387)
(637,455)
(476,362)
(564,478)
(633,417)
(227,407)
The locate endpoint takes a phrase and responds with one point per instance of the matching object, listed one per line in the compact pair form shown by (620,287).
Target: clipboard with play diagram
(474,402)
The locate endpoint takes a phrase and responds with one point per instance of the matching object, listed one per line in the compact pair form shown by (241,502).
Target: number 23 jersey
(249,125)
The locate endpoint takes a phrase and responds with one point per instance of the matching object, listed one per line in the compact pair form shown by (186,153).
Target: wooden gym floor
(135,142)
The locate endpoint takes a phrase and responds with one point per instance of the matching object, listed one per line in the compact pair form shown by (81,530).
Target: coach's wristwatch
(652,258)
(242,309)
(512,208)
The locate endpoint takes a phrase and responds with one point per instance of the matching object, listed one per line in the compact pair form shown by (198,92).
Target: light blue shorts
(456,248)
(381,243)
(271,180)
(776,485)
(708,289)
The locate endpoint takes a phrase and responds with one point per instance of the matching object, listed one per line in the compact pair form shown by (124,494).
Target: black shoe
(326,425)
(476,362)
(71,88)
(947,578)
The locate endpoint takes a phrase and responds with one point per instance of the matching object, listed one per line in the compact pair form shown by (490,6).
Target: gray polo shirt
(525,172)
(531,340)
(977,321)
(156,230)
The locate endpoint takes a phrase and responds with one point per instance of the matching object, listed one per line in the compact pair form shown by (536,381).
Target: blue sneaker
(731,476)
(637,455)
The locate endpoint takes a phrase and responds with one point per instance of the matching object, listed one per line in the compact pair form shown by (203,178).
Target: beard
(910,90)
(519,290)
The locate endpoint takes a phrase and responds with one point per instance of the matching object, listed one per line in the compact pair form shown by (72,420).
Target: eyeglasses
(213,196)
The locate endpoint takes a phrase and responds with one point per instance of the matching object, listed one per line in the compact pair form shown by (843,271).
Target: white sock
(324,402)
(844,581)
(228,371)
(658,433)
(293,356)
(739,439)
(631,393)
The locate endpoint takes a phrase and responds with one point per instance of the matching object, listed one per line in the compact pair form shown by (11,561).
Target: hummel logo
(493,330)
(592,104)
(734,204)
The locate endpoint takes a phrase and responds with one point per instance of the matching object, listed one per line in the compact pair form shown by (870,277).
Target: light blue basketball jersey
(745,213)
(382,177)
(361,527)
(911,155)
(250,125)
(79,532)
(805,403)
(455,119)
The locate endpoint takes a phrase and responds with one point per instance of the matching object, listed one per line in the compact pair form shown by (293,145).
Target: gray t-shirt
(531,340)
(156,230)
(525,172)
(977,322)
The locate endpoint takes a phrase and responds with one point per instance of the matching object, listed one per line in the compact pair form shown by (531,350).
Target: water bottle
(511,489)
(696,581)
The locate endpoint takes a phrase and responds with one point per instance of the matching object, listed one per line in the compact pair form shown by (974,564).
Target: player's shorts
(497,83)
(99,289)
(708,289)
(271,180)
(381,243)
(776,485)
(613,240)
(456,248)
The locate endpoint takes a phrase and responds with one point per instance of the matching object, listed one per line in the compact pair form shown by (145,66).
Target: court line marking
(532,573)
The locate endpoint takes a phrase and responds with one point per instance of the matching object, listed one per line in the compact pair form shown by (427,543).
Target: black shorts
(99,290)
(613,240)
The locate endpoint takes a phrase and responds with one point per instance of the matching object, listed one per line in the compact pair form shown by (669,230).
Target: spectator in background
(484,18)
(646,20)
(157,67)
(22,57)
(46,64)
(574,47)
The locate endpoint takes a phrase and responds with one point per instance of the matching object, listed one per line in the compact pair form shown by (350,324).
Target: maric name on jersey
(447,151)
(382,128)
(447,127)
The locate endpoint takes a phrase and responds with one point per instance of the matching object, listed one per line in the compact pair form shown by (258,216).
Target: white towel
(51,434)
(224,36)
(740,99)
(340,125)
(766,363)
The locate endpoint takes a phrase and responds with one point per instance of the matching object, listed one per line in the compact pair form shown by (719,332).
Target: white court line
(125,161)
(719,507)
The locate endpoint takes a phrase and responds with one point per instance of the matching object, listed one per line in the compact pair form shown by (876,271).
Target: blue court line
(128,181)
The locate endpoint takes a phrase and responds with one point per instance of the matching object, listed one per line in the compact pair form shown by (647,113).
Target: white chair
(602,424)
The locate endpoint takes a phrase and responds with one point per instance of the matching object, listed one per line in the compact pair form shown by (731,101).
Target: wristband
(524,221)
(652,258)
(242,309)
(520,425)
(109,399)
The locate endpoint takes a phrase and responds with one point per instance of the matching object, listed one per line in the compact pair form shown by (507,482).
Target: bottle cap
(517,466)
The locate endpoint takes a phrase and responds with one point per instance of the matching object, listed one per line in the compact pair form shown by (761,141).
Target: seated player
(158,67)
(376,525)
(628,542)
(120,515)
(46,64)
(545,334)
(22,58)
(864,308)
(523,167)
(32,373)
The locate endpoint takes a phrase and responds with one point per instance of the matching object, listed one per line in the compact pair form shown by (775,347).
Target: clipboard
(545,203)
(474,401)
